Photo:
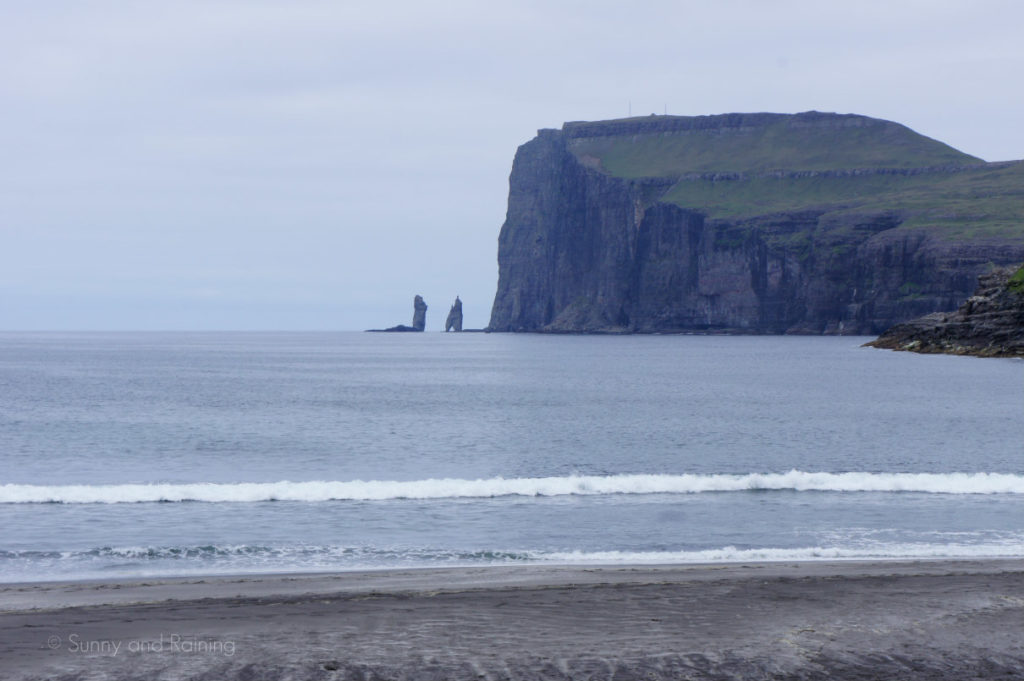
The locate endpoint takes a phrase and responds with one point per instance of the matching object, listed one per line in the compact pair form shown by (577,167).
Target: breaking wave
(138,561)
(732,554)
(454,488)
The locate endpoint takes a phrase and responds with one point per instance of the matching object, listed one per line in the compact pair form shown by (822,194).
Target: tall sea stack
(747,223)
(419,314)
(454,321)
(419,319)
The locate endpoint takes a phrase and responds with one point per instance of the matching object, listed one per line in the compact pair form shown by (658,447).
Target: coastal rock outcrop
(747,223)
(989,324)
(419,315)
(454,321)
(419,319)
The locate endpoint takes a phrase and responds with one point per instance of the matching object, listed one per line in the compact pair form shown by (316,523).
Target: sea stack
(419,319)
(454,321)
(419,315)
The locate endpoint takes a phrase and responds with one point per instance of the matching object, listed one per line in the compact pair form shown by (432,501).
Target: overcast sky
(314,165)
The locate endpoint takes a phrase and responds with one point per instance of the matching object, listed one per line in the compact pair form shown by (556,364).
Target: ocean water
(161,454)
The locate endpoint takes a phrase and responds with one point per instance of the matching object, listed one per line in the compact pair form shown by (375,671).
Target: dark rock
(419,315)
(585,250)
(454,321)
(419,319)
(401,328)
(989,324)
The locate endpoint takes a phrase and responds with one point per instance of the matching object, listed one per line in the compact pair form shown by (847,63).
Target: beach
(936,619)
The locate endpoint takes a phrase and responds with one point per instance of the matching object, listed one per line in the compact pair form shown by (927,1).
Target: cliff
(989,324)
(750,223)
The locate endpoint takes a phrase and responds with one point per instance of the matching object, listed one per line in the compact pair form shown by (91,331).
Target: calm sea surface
(173,453)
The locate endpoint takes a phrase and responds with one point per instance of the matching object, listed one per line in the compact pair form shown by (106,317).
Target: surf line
(453,488)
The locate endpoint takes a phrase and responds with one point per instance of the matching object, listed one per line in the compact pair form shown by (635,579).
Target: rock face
(764,223)
(419,315)
(419,319)
(989,324)
(454,321)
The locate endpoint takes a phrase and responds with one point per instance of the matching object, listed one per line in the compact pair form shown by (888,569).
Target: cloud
(357,153)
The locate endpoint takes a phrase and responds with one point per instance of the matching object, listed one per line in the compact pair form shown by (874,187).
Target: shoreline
(907,619)
(463,577)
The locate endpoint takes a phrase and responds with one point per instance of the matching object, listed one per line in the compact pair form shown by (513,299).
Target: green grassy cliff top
(669,146)
(738,166)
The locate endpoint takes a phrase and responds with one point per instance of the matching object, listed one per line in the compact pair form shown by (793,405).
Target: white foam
(141,561)
(731,554)
(452,488)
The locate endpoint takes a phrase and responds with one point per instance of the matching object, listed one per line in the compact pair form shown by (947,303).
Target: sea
(137,455)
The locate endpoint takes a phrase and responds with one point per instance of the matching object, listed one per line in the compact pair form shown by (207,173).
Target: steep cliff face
(567,249)
(597,241)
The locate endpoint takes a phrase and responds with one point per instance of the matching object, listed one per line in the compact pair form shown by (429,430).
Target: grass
(988,202)
(979,203)
(1016,283)
(861,143)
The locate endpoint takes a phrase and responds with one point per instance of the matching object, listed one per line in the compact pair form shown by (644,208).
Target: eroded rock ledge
(989,324)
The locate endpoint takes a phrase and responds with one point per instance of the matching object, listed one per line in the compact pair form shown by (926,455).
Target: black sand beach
(887,620)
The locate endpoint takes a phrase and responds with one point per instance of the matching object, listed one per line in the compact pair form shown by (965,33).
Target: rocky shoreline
(989,324)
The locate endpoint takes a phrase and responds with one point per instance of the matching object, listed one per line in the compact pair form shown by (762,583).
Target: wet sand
(844,620)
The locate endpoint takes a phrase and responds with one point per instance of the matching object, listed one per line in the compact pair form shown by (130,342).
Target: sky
(306,165)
